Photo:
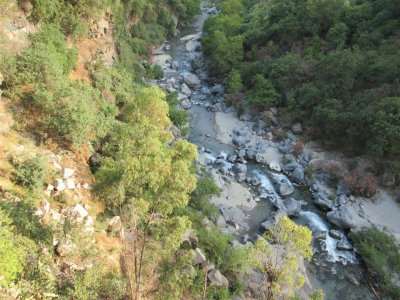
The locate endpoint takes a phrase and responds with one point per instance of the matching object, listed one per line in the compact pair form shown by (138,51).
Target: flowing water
(338,273)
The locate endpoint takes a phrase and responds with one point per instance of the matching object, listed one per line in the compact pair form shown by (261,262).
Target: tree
(234,82)
(263,93)
(278,258)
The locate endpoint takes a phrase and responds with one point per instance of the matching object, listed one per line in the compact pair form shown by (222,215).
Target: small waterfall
(267,186)
(317,224)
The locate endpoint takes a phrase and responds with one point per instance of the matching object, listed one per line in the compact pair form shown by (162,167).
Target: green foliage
(178,116)
(71,16)
(317,295)
(200,197)
(12,253)
(31,173)
(333,63)
(262,94)
(234,82)
(381,254)
(93,283)
(278,257)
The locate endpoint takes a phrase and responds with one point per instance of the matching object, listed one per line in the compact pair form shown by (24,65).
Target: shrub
(263,93)
(366,185)
(298,148)
(381,254)
(12,256)
(200,197)
(335,170)
(234,82)
(178,116)
(31,173)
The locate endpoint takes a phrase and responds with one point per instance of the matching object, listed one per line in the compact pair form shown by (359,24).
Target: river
(338,273)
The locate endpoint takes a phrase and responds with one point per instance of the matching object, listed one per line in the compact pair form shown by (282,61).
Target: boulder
(298,174)
(292,207)
(232,214)
(344,246)
(241,141)
(320,235)
(241,177)
(218,89)
(336,234)
(251,153)
(190,238)
(67,173)
(270,118)
(341,218)
(199,258)
(78,212)
(323,202)
(205,90)
(284,149)
(283,185)
(317,164)
(275,166)
(232,158)
(297,128)
(182,97)
(191,80)
(241,153)
(240,168)
(217,279)
(185,90)
(59,185)
(259,125)
(70,184)
(291,166)
(185,104)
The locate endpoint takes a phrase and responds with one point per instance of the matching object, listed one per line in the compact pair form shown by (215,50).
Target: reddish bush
(298,148)
(334,169)
(366,185)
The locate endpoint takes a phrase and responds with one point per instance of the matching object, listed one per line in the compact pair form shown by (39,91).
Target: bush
(12,254)
(335,170)
(262,94)
(381,254)
(31,173)
(234,82)
(200,197)
(298,148)
(178,116)
(366,185)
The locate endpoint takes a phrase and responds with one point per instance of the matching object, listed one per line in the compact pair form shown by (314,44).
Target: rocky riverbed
(261,178)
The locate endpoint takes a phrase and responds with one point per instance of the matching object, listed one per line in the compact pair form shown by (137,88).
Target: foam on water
(316,223)
(266,184)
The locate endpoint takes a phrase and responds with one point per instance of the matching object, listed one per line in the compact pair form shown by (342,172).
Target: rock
(224,170)
(245,117)
(86,186)
(217,279)
(388,179)
(241,177)
(259,125)
(269,136)
(323,202)
(185,90)
(240,168)
(341,218)
(270,118)
(59,185)
(240,141)
(291,166)
(67,173)
(70,184)
(298,174)
(232,214)
(272,221)
(191,80)
(232,158)
(336,234)
(292,207)
(114,226)
(205,90)
(185,104)
(284,149)
(255,181)
(45,206)
(297,128)
(88,225)
(274,165)
(182,97)
(343,246)
(199,258)
(251,154)
(190,238)
(320,235)
(342,189)
(217,89)
(79,212)
(241,153)
(317,164)
(283,185)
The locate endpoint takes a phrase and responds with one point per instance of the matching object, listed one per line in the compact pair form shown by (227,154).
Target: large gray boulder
(323,202)
(341,218)
(185,104)
(191,80)
(199,258)
(241,141)
(297,128)
(292,207)
(283,186)
(217,279)
(240,168)
(185,90)
(298,174)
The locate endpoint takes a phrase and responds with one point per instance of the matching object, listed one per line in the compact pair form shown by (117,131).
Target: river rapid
(249,200)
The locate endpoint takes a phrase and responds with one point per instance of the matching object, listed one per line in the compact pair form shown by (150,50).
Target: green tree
(278,256)
(234,82)
(263,93)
